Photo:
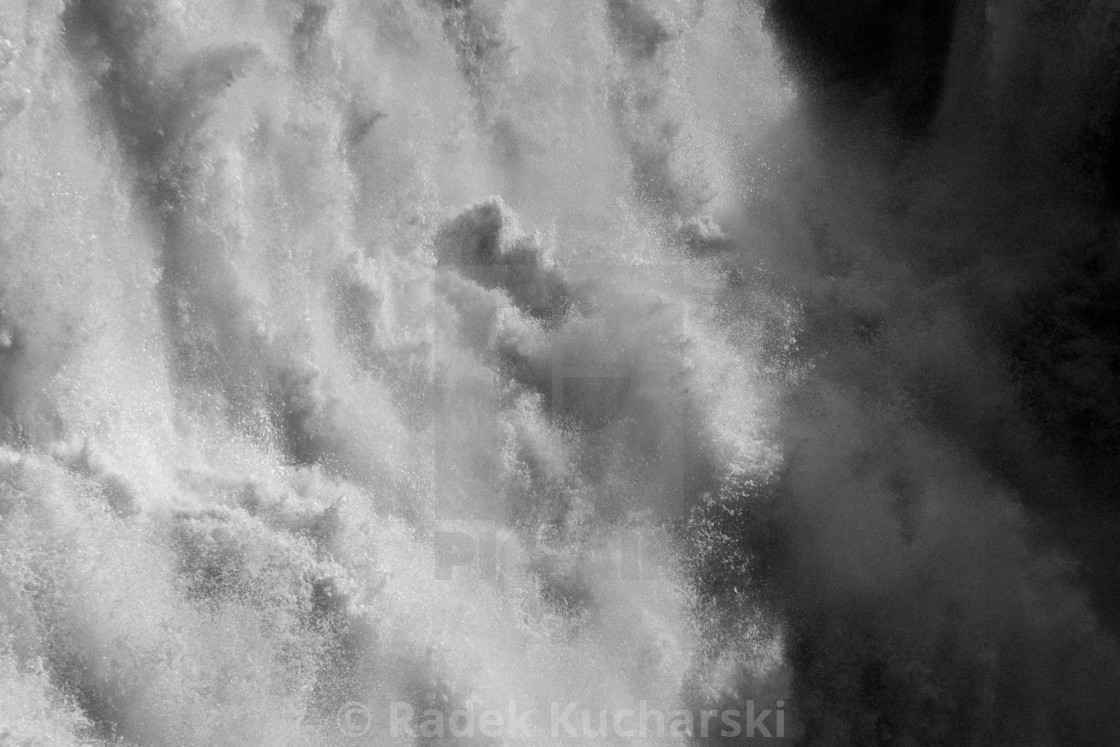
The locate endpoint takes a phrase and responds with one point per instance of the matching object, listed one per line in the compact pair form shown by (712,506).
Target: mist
(440,357)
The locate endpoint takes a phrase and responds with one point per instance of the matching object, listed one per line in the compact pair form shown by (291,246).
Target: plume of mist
(290,288)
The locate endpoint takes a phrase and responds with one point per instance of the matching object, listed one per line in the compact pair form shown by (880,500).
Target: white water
(285,290)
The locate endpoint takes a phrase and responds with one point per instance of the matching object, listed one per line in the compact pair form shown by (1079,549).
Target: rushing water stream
(383,357)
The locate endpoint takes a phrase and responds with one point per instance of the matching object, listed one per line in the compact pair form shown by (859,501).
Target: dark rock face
(990,132)
(1042,77)
(1109,152)
(1019,105)
(870,47)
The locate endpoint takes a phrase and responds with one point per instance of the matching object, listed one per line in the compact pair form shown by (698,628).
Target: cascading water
(438,356)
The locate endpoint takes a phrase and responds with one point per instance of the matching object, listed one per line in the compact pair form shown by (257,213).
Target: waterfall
(524,372)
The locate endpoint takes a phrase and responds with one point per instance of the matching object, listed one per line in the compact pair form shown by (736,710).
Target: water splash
(296,292)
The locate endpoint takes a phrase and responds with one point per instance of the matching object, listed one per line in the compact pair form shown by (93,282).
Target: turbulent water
(498,355)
